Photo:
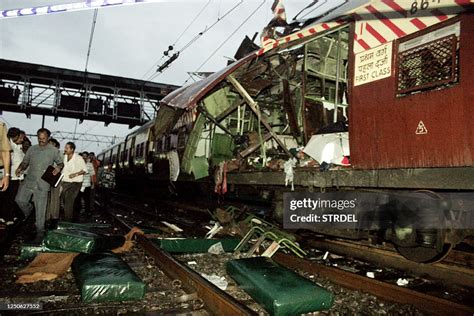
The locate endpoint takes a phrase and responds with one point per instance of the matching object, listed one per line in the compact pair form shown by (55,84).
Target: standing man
(85,192)
(74,170)
(4,158)
(96,163)
(37,159)
(5,176)
(54,201)
(16,140)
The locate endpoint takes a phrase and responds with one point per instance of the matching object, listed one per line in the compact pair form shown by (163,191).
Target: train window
(137,151)
(428,61)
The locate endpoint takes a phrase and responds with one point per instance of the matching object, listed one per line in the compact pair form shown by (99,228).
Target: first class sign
(373,64)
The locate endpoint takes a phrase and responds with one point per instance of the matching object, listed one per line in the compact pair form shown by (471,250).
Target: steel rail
(442,271)
(216,301)
(386,291)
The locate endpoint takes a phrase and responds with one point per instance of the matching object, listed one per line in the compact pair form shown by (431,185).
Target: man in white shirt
(15,137)
(74,170)
(85,192)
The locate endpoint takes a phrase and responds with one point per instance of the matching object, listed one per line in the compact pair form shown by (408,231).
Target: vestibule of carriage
(279,101)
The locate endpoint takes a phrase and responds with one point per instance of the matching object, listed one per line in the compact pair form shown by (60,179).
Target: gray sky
(128,40)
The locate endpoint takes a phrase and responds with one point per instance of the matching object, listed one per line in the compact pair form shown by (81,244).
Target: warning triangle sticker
(421,129)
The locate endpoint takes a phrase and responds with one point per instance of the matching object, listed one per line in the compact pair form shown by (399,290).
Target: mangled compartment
(263,111)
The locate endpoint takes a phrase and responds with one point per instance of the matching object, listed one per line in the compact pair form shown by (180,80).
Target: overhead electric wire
(94,20)
(179,37)
(194,39)
(194,20)
(314,9)
(305,8)
(226,40)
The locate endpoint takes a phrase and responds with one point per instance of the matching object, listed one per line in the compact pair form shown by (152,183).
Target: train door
(131,154)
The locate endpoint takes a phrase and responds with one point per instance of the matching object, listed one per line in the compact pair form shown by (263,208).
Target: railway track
(456,270)
(164,295)
(392,293)
(427,303)
(176,284)
(215,301)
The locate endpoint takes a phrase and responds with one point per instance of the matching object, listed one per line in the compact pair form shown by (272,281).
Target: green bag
(30,251)
(279,290)
(105,277)
(73,240)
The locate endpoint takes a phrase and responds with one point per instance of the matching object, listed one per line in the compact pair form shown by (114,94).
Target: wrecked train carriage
(402,84)
(255,101)
(399,91)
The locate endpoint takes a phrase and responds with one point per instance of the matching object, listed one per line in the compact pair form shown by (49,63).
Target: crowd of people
(24,188)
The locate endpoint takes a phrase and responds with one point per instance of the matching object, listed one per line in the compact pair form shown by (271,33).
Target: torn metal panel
(165,119)
(255,86)
(213,120)
(257,112)
(230,109)
(188,96)
(192,144)
(252,79)
(217,102)
(289,107)
(246,47)
(254,147)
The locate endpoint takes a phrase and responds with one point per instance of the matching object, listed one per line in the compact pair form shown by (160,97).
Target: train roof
(187,97)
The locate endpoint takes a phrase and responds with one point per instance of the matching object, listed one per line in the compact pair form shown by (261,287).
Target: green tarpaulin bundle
(73,240)
(105,277)
(195,245)
(30,251)
(279,290)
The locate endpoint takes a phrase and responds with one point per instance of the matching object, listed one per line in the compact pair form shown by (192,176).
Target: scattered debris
(289,174)
(173,227)
(402,282)
(370,275)
(216,249)
(218,281)
(214,230)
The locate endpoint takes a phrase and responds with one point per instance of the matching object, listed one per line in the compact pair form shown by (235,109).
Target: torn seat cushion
(29,251)
(106,277)
(73,240)
(279,290)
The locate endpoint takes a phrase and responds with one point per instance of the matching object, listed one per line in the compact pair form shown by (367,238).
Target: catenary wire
(226,40)
(179,37)
(201,34)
